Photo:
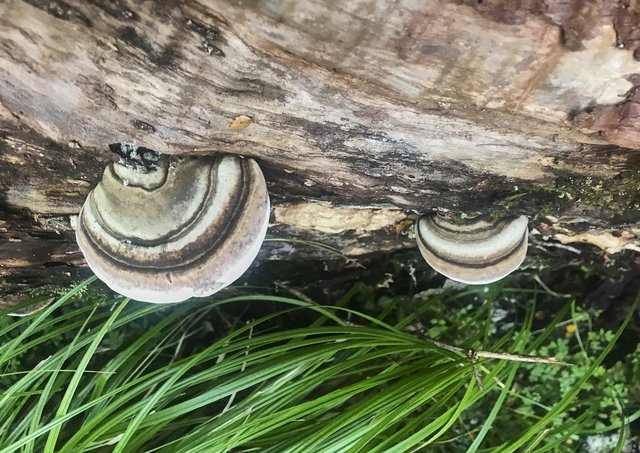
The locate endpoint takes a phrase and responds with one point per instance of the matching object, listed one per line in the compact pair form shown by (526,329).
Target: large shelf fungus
(163,230)
(474,251)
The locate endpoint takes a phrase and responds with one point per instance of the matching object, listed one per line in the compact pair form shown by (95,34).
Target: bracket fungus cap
(179,229)
(474,251)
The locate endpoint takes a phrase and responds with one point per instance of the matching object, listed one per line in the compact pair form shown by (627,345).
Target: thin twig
(549,290)
(545,245)
(559,324)
(473,354)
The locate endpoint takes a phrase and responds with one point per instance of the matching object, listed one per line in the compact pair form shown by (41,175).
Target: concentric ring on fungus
(474,251)
(179,228)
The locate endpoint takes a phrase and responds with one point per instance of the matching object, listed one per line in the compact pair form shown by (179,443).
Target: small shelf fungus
(161,229)
(474,251)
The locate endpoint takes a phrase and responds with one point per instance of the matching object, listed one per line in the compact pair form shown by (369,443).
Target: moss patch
(616,200)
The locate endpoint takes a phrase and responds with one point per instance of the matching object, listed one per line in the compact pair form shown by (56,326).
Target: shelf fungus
(163,229)
(474,251)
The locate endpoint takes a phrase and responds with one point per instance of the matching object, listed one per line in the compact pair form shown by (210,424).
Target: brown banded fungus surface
(160,229)
(474,251)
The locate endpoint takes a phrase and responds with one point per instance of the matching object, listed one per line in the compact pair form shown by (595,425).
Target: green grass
(97,373)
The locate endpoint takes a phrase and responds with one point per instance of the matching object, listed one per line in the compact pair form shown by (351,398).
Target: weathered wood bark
(364,113)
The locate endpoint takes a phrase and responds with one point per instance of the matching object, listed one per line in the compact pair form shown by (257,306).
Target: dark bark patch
(36,279)
(327,136)
(209,37)
(511,12)
(61,10)
(131,36)
(116,9)
(143,126)
(165,58)
(97,92)
(439,51)
(395,177)
(60,175)
(257,87)
(578,20)
(287,185)
(136,157)
(627,25)
(618,123)
(598,183)
(617,198)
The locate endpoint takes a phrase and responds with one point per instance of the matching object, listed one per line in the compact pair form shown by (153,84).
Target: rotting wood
(393,108)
